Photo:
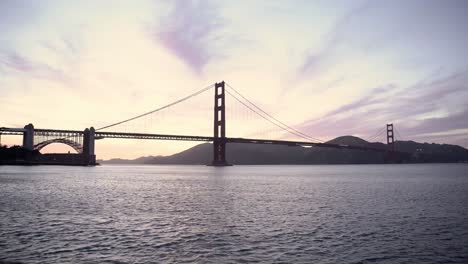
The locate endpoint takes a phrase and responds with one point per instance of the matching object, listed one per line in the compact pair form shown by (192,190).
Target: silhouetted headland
(248,154)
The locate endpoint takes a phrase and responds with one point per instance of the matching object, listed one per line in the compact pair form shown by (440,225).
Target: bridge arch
(76,146)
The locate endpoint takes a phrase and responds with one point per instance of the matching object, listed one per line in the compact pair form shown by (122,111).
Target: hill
(250,154)
(140,160)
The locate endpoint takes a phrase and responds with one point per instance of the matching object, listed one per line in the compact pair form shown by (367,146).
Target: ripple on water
(164,214)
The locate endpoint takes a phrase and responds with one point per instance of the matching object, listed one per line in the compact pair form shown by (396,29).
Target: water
(240,214)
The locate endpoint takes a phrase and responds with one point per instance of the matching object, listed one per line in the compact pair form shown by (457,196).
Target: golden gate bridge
(83,141)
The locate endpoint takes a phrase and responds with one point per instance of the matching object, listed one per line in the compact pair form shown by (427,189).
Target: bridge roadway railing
(300,143)
(12,131)
(102,135)
(57,132)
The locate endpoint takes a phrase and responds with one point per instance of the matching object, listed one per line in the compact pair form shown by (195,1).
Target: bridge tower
(88,146)
(28,137)
(390,143)
(219,142)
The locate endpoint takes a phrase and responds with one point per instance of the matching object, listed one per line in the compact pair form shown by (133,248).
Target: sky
(326,68)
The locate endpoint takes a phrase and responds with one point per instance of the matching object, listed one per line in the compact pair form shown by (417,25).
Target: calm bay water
(240,214)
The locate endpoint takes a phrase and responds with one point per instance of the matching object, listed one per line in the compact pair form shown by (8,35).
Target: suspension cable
(280,124)
(398,133)
(380,131)
(267,119)
(160,108)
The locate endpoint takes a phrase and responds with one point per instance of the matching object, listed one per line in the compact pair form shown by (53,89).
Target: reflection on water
(282,214)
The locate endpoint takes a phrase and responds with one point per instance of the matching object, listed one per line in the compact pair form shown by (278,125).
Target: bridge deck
(11,131)
(299,144)
(102,135)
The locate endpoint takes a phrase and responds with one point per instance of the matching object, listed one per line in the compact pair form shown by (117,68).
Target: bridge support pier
(88,146)
(219,142)
(219,154)
(28,137)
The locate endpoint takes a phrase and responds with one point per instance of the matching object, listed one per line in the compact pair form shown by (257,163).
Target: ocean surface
(239,214)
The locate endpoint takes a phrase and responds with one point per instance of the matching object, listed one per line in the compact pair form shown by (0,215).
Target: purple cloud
(312,63)
(441,124)
(188,30)
(316,59)
(407,108)
(371,99)
(70,46)
(14,62)
(389,27)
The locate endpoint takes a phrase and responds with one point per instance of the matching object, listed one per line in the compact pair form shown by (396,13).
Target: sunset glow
(327,68)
